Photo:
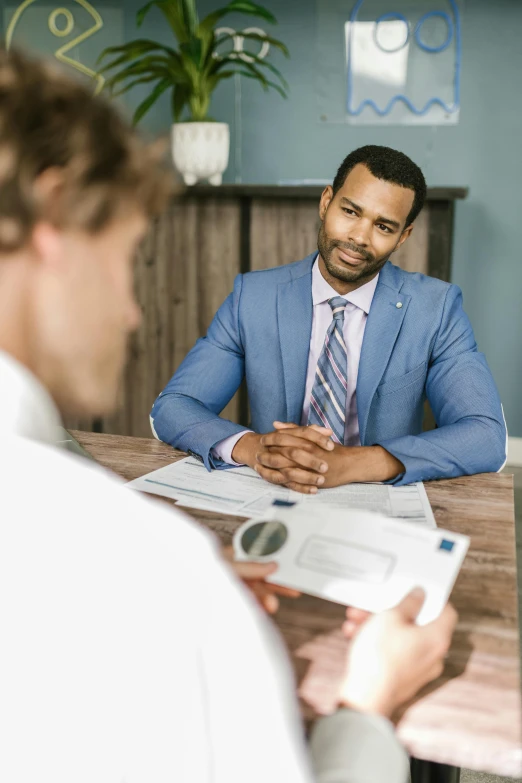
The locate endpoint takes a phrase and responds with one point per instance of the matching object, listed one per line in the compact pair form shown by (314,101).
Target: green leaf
(210,21)
(190,15)
(133,49)
(173,14)
(269,84)
(265,64)
(246,7)
(240,62)
(142,13)
(137,61)
(139,69)
(130,85)
(180,98)
(144,107)
(193,50)
(150,62)
(215,78)
(257,74)
(240,7)
(208,46)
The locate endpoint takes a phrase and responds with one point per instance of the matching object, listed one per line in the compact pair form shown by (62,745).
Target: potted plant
(191,72)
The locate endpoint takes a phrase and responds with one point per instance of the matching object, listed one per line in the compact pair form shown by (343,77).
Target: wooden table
(471,717)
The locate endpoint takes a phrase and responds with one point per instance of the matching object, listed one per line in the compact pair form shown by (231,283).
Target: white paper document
(355,557)
(242,492)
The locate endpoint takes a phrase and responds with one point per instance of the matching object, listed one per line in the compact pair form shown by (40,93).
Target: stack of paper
(242,492)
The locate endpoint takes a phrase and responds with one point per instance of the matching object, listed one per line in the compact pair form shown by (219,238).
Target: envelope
(355,558)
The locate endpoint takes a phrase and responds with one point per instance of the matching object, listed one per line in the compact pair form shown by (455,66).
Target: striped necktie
(328,399)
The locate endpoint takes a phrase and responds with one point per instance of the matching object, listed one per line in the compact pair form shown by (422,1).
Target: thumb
(252,571)
(283,425)
(411,604)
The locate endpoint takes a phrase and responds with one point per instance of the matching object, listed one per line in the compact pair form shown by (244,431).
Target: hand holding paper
(388,661)
(391,658)
(254,575)
(354,557)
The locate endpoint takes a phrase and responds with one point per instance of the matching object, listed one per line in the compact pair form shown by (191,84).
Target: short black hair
(389,165)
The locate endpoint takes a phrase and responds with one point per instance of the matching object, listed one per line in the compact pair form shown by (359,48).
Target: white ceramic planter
(200,150)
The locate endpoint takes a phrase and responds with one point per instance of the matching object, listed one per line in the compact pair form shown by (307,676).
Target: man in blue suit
(340,351)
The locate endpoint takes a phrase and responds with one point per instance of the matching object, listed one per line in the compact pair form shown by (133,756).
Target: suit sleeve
(351,747)
(186,413)
(471,432)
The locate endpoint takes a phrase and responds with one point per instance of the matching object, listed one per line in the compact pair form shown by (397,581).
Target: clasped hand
(306,459)
(300,458)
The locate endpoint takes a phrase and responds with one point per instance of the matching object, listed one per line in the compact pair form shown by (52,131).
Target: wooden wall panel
(213,264)
(282,231)
(184,270)
(79,423)
(413,255)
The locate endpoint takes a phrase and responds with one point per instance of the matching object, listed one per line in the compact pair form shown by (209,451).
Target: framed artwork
(394,62)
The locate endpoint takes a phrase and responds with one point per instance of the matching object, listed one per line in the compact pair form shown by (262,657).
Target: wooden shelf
(299,191)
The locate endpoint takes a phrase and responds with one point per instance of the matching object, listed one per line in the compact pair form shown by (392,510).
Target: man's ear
(46,238)
(326,198)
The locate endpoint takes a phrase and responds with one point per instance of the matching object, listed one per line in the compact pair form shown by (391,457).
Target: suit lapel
(382,328)
(294,315)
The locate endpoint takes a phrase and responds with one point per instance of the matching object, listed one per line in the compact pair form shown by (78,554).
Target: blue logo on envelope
(446,545)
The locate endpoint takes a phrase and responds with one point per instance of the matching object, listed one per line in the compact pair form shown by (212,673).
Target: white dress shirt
(130,653)
(27,409)
(356,313)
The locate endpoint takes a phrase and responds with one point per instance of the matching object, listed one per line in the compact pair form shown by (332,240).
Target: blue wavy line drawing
(449,108)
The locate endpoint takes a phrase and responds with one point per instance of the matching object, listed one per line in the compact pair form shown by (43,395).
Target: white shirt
(129,653)
(27,409)
(356,313)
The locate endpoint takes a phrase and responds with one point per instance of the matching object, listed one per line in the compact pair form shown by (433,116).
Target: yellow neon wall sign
(61,53)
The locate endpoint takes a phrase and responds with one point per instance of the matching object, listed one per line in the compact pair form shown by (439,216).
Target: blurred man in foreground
(130,652)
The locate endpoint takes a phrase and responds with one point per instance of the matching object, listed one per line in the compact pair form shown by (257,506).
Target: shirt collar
(27,408)
(322,291)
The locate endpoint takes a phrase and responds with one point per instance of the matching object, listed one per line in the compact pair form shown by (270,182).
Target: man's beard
(368,269)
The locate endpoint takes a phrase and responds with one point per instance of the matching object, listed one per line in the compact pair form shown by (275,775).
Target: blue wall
(286,140)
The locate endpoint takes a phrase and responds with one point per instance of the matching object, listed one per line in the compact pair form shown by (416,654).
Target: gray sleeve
(352,747)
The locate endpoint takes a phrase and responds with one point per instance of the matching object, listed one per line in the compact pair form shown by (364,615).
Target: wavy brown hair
(50,121)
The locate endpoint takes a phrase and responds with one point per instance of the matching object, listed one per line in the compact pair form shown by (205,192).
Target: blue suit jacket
(425,348)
